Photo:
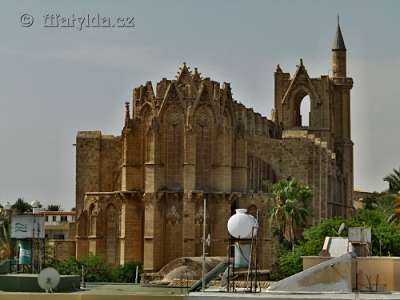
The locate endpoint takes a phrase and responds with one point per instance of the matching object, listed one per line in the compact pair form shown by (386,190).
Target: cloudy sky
(56,81)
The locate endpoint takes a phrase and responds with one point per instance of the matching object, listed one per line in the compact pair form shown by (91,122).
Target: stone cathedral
(139,196)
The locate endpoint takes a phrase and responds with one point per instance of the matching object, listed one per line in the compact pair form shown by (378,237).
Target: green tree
(53,207)
(385,239)
(290,211)
(393,180)
(20,206)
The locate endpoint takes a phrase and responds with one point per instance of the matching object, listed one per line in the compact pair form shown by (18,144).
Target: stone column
(189,169)
(82,244)
(188,224)
(218,212)
(153,232)
(131,239)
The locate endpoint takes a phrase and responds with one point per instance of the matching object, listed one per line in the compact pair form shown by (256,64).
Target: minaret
(342,86)
(127,114)
(339,54)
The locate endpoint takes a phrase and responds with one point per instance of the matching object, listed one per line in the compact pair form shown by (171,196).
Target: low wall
(80,296)
(378,273)
(309,261)
(373,273)
(29,283)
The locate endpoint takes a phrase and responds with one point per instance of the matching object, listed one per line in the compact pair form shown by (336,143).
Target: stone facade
(139,196)
(61,249)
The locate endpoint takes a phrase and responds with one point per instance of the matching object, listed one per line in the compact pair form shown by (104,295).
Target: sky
(56,81)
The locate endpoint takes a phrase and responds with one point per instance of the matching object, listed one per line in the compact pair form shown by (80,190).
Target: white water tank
(35,206)
(241,225)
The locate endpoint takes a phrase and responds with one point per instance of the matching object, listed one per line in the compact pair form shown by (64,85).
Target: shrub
(126,273)
(290,262)
(95,269)
(67,267)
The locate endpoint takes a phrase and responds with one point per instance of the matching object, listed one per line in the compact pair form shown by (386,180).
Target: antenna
(48,279)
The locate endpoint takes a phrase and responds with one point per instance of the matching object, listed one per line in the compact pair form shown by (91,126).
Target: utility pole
(203,284)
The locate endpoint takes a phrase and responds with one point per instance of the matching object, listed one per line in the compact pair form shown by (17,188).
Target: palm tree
(394,181)
(290,211)
(394,217)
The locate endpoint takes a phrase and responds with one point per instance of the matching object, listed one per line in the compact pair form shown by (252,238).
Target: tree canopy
(385,235)
(21,206)
(53,207)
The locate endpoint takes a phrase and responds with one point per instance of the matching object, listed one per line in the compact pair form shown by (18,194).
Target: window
(54,218)
(305,109)
(58,236)
(64,218)
(47,218)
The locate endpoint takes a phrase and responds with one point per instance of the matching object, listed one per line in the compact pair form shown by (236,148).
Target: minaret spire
(339,54)
(338,43)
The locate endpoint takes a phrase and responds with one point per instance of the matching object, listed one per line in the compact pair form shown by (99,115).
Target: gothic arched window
(204,135)
(173,134)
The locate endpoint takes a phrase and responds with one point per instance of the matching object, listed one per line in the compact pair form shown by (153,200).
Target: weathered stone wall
(140,196)
(98,159)
(62,249)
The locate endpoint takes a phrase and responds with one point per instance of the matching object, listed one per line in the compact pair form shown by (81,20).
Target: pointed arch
(224,146)
(147,106)
(146,124)
(301,94)
(228,109)
(203,99)
(82,224)
(204,133)
(304,119)
(172,96)
(252,210)
(173,122)
(301,80)
(92,219)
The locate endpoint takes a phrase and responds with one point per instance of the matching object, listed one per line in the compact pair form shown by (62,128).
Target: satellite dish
(341,228)
(48,279)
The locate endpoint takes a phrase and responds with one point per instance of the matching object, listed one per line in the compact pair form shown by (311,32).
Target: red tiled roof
(57,213)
